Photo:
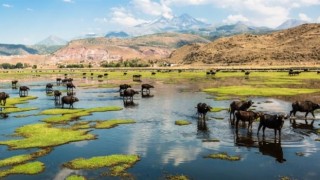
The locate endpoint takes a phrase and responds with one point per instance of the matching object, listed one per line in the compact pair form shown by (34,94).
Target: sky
(30,21)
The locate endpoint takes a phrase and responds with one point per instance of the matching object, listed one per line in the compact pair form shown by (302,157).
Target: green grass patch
(104,109)
(223,156)
(75,177)
(28,168)
(81,125)
(112,123)
(19,159)
(117,163)
(66,117)
(218,109)
(177,177)
(44,135)
(60,111)
(15,110)
(182,122)
(258,91)
(19,100)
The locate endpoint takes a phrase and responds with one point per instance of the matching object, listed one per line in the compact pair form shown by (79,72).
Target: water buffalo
(304,106)
(123,87)
(247,73)
(100,76)
(202,109)
(273,122)
(153,73)
(14,84)
(69,100)
(49,88)
(128,95)
(246,116)
(136,77)
(239,105)
(58,80)
(3,98)
(70,86)
(145,89)
(23,91)
(57,95)
(105,74)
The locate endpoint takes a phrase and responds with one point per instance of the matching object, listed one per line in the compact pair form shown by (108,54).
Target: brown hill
(104,49)
(300,45)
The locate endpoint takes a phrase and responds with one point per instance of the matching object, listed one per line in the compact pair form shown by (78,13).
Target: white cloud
(150,7)
(7,5)
(123,17)
(68,1)
(29,9)
(231,19)
(304,17)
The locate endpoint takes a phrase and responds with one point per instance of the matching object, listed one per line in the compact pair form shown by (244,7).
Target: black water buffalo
(304,106)
(202,110)
(70,85)
(23,91)
(58,80)
(105,74)
(246,116)
(239,105)
(128,95)
(49,88)
(273,122)
(247,73)
(69,100)
(57,95)
(136,77)
(100,76)
(145,89)
(3,98)
(14,84)
(124,86)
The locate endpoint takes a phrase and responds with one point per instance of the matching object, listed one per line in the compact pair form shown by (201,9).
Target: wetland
(158,136)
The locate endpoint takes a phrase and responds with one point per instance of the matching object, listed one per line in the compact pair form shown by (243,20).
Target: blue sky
(30,21)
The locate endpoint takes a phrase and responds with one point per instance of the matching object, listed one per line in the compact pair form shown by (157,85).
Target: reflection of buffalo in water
(202,110)
(69,100)
(244,140)
(304,106)
(202,128)
(237,106)
(273,122)
(246,116)
(23,91)
(272,149)
(3,98)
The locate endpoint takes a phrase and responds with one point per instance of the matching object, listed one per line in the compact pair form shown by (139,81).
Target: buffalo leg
(260,125)
(313,114)
(264,128)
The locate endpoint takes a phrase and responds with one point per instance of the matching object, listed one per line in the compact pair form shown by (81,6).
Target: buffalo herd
(239,112)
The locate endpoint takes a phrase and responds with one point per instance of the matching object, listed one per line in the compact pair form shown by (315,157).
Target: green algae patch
(104,109)
(318,139)
(218,109)
(117,163)
(60,111)
(15,110)
(44,135)
(66,117)
(258,91)
(81,125)
(19,159)
(177,177)
(182,122)
(112,123)
(28,168)
(75,177)
(19,100)
(223,156)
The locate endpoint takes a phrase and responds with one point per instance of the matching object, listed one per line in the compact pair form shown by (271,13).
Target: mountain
(16,49)
(164,24)
(119,34)
(146,47)
(291,23)
(52,41)
(297,45)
